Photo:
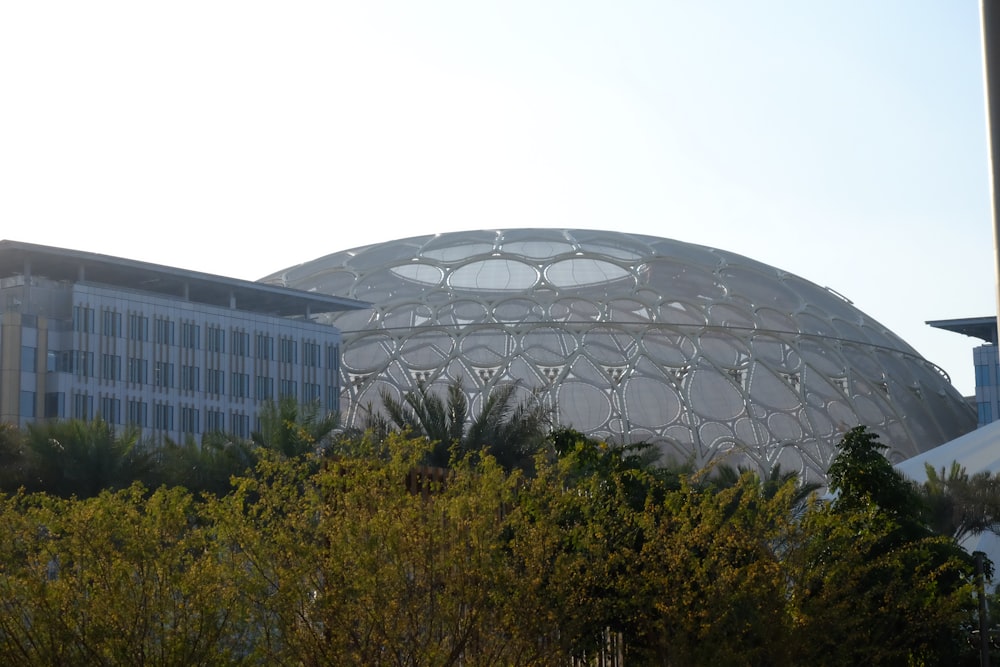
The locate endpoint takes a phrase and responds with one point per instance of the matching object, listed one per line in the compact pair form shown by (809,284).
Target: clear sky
(841,141)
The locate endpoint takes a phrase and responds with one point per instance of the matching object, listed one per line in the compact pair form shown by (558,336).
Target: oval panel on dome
(494,274)
(583,272)
(418,272)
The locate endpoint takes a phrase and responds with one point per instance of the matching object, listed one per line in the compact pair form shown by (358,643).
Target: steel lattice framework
(632,338)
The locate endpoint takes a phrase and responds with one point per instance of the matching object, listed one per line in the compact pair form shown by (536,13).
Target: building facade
(176,353)
(986,361)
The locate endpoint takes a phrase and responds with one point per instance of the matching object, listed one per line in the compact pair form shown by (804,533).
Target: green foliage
(80,458)
(366,556)
(510,433)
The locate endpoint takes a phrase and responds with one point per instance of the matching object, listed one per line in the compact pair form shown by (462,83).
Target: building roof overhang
(61,264)
(984,328)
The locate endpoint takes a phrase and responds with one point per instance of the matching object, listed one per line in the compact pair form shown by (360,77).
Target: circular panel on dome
(494,274)
(518,310)
(462,312)
(378,256)
(676,279)
(425,350)
(784,427)
(582,272)
(424,274)
(628,310)
(730,316)
(760,289)
(714,396)
(328,282)
(671,349)
(724,349)
(582,406)
(548,346)
(576,309)
(650,404)
(487,346)
(608,346)
(769,391)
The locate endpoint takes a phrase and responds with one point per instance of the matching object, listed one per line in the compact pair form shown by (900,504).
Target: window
(163,330)
(241,343)
(310,393)
(54,404)
(287,351)
(239,425)
(111,410)
(138,327)
(265,388)
(137,413)
(265,346)
(239,385)
(332,398)
(189,420)
(189,378)
(215,339)
(983,376)
(29,358)
(163,416)
(111,367)
(985,413)
(27,406)
(215,421)
(83,319)
(163,374)
(310,354)
(111,323)
(214,381)
(83,406)
(137,370)
(190,335)
(333,357)
(78,362)
(287,388)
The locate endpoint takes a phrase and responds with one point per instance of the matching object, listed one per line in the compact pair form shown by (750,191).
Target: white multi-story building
(177,353)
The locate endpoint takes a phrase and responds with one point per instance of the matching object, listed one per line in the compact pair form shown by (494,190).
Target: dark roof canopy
(984,328)
(18,258)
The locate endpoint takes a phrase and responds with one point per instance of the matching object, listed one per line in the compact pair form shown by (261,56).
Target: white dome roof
(634,338)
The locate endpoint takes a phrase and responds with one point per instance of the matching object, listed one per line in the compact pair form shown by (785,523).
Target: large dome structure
(634,338)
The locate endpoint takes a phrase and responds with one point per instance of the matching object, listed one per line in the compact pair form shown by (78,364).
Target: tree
(509,432)
(871,583)
(83,458)
(293,429)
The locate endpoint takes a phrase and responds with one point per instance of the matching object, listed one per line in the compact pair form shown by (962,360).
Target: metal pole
(990,16)
(984,621)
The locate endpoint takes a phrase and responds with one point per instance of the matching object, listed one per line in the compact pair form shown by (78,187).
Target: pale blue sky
(844,142)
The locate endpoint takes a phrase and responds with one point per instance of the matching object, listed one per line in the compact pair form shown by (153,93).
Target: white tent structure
(976,451)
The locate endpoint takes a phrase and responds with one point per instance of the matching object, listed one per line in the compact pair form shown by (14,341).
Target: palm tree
(293,429)
(83,458)
(509,432)
(960,505)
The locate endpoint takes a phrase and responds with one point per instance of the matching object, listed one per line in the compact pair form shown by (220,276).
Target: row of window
(190,337)
(138,413)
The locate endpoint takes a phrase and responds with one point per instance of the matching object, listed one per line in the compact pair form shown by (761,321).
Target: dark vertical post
(990,14)
(984,621)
